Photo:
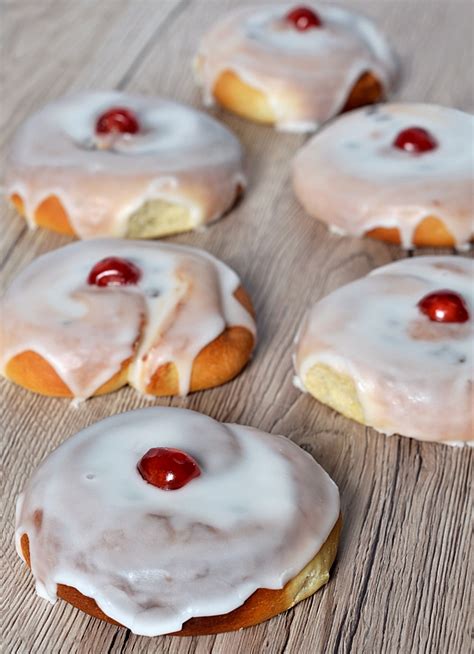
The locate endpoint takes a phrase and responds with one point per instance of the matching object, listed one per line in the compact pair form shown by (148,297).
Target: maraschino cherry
(167,468)
(117,120)
(415,140)
(114,271)
(444,306)
(303,18)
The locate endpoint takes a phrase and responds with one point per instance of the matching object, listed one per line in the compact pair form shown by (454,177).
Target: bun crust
(352,176)
(262,605)
(336,390)
(382,362)
(49,214)
(430,232)
(31,371)
(237,96)
(217,363)
(154,219)
(76,181)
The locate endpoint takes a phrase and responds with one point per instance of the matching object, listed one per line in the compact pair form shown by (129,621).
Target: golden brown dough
(239,97)
(154,219)
(430,232)
(262,605)
(219,362)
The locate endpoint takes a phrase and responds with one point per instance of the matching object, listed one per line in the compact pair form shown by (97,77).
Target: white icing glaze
(152,559)
(413,376)
(185,298)
(350,176)
(307,76)
(181,155)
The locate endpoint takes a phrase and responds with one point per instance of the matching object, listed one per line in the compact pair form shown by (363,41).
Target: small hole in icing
(152,292)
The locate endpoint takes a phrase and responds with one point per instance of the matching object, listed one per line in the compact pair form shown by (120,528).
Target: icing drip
(258,513)
(350,175)
(307,76)
(180,155)
(184,299)
(413,376)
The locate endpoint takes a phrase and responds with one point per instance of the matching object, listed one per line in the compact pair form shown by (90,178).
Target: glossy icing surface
(350,176)
(307,76)
(180,155)
(413,376)
(151,559)
(183,301)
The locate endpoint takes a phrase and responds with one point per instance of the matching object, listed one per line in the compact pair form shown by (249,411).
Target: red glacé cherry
(415,140)
(303,18)
(113,271)
(117,120)
(167,468)
(444,306)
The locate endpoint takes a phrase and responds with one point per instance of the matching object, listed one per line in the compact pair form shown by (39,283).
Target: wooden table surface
(402,579)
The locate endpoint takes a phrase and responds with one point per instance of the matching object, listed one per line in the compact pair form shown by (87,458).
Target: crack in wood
(11,248)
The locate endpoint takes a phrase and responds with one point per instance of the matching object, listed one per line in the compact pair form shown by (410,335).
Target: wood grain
(402,579)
